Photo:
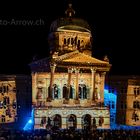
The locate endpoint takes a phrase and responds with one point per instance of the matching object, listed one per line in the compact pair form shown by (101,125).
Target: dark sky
(114,24)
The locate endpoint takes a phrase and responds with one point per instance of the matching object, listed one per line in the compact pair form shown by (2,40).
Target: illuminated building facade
(68,86)
(127,90)
(133,102)
(8,101)
(110,101)
(15,100)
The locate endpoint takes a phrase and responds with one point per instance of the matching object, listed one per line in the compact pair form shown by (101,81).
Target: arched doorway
(86,122)
(56,121)
(71,122)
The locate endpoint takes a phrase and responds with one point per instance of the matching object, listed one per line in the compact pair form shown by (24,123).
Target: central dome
(70,23)
(69,34)
(76,24)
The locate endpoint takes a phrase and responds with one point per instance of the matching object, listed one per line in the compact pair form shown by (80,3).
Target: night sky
(114,24)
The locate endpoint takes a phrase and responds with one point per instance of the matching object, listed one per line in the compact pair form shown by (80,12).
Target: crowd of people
(69,134)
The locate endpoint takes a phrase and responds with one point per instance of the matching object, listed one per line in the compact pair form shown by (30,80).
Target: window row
(6,89)
(73,41)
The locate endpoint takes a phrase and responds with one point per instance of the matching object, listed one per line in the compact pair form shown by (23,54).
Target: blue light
(110,100)
(30,121)
(29,125)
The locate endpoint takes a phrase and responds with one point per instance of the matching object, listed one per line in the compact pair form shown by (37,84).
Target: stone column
(52,67)
(61,89)
(77,84)
(69,80)
(102,86)
(92,94)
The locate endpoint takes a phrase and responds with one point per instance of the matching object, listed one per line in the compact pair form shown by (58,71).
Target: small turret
(70,12)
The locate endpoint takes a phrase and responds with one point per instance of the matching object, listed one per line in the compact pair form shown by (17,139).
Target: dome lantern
(69,12)
(68,34)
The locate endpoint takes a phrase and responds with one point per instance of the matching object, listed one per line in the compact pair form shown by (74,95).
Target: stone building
(15,100)
(133,102)
(8,100)
(68,86)
(127,90)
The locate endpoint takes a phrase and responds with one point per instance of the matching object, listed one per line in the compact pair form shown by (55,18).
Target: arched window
(80,91)
(55,89)
(78,43)
(71,121)
(57,121)
(68,41)
(65,91)
(86,122)
(84,91)
(72,41)
(65,41)
(71,92)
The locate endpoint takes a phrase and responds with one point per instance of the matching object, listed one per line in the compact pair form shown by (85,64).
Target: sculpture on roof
(70,12)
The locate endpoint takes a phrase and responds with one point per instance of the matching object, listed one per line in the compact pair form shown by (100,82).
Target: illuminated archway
(57,121)
(71,121)
(86,122)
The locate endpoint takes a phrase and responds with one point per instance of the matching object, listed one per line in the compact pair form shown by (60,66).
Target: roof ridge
(67,55)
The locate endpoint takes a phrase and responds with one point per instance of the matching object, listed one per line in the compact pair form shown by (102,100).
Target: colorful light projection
(8,102)
(110,100)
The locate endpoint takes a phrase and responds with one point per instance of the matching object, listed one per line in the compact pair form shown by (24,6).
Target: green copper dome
(76,24)
(70,23)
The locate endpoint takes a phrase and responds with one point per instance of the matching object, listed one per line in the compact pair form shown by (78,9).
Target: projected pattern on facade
(8,106)
(68,86)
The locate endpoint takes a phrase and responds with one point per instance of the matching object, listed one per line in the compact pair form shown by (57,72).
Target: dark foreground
(70,135)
